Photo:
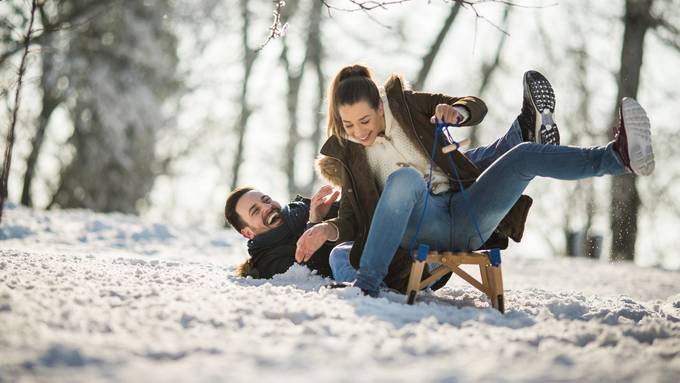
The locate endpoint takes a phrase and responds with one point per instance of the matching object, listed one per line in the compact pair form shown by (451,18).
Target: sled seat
(489,263)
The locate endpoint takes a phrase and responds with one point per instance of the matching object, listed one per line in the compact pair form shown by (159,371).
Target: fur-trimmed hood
(330,169)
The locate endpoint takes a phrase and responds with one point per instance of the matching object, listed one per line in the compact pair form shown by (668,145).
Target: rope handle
(448,149)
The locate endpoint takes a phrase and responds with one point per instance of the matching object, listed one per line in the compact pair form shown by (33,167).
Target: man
(273,230)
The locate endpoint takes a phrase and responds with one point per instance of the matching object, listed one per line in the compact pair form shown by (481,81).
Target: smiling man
(273,230)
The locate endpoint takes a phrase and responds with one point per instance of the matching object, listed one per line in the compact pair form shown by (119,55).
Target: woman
(382,139)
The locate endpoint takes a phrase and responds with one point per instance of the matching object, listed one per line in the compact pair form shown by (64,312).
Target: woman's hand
(446,112)
(312,239)
(321,203)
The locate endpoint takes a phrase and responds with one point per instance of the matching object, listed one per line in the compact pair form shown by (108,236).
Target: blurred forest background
(159,108)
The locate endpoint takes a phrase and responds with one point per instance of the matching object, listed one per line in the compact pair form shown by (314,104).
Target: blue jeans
(447,224)
(482,157)
(340,266)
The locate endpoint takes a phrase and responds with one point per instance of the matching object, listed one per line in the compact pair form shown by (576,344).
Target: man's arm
(275,260)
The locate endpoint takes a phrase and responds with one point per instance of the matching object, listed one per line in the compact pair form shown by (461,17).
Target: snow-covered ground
(93,297)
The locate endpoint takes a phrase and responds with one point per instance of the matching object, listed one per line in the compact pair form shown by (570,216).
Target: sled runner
(489,263)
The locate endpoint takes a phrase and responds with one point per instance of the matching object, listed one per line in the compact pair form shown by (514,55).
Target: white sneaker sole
(639,137)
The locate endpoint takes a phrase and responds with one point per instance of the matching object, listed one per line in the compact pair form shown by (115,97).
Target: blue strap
(494,254)
(423,250)
(494,257)
(414,240)
(466,197)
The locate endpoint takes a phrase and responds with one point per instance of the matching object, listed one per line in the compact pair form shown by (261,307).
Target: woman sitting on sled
(381,137)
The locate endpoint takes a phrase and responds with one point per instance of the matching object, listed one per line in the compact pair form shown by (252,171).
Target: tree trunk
(315,54)
(625,201)
(428,59)
(9,144)
(242,122)
(488,70)
(49,103)
(294,81)
(294,78)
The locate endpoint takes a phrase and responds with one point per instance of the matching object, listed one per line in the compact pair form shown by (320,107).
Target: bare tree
(489,68)
(625,199)
(249,56)
(9,144)
(428,59)
(582,240)
(295,76)
(315,57)
(51,98)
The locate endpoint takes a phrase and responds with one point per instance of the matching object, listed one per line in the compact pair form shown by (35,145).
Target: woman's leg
(500,186)
(403,195)
(484,156)
(342,268)
(339,261)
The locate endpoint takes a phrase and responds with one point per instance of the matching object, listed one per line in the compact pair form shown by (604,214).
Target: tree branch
(277,29)
(366,6)
(668,33)
(70,21)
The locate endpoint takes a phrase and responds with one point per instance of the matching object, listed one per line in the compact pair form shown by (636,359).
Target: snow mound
(88,297)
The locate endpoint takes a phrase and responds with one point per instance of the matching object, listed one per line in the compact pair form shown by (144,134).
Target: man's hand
(445,112)
(321,203)
(312,239)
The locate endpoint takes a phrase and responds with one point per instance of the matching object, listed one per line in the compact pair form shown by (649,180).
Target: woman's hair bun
(356,70)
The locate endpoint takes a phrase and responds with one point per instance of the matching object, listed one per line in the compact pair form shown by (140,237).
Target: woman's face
(362,123)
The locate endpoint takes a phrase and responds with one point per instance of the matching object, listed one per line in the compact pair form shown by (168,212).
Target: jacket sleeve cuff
(463,111)
(337,232)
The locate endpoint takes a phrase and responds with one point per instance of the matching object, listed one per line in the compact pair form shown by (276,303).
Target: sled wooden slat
(440,272)
(469,279)
(491,275)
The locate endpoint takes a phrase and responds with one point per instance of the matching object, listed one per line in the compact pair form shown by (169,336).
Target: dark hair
(230,213)
(352,84)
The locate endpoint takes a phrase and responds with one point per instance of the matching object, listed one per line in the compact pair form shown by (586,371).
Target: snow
(88,297)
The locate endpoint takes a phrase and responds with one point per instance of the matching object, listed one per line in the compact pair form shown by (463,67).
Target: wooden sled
(489,268)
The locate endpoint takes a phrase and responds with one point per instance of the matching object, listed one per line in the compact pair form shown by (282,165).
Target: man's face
(259,212)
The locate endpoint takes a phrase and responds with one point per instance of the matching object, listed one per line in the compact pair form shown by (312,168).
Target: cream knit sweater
(393,150)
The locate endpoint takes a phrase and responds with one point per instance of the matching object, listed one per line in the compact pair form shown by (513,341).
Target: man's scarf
(294,216)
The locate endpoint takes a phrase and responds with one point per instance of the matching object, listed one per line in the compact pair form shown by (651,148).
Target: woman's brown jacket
(346,164)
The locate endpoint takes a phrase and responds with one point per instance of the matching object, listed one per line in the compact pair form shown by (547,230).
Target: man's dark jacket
(273,252)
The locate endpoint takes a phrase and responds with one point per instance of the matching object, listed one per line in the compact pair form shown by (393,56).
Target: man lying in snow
(273,230)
